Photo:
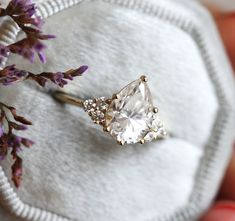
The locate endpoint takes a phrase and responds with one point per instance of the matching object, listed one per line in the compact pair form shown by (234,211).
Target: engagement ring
(129,116)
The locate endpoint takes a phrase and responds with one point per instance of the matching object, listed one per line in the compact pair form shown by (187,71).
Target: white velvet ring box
(75,171)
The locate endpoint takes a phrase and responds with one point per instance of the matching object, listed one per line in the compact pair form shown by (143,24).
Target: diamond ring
(129,116)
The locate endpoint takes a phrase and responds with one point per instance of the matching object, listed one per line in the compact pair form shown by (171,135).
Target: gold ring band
(66,98)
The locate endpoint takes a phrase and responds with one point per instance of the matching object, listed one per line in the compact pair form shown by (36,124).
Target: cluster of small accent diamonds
(96,108)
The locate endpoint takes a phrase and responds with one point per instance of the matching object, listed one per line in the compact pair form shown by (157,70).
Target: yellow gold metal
(120,142)
(144,78)
(106,129)
(108,101)
(114,96)
(155,110)
(66,98)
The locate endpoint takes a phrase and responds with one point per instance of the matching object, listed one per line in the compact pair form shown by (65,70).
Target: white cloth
(76,171)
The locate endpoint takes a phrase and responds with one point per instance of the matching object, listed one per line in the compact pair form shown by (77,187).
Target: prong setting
(121,142)
(106,129)
(115,96)
(155,110)
(144,78)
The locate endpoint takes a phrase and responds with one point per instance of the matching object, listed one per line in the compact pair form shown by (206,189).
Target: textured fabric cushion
(75,170)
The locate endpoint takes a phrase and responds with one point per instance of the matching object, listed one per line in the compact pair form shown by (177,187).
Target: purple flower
(46,37)
(1,131)
(23,12)
(27,142)
(77,72)
(17,126)
(17,171)
(22,3)
(11,74)
(21,7)
(42,57)
(80,70)
(38,47)
(38,22)
(58,78)
(28,46)
(14,141)
(4,50)
(27,53)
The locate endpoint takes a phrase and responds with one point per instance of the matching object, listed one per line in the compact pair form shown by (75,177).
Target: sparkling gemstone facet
(96,109)
(130,117)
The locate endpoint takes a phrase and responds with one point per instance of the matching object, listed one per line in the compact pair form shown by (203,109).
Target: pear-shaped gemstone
(130,117)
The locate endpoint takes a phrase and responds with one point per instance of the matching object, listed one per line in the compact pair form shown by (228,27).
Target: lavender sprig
(11,74)
(23,13)
(9,141)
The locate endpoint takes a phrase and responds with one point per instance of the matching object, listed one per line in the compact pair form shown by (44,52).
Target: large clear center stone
(130,117)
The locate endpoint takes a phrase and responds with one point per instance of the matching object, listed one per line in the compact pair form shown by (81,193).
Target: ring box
(74,171)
